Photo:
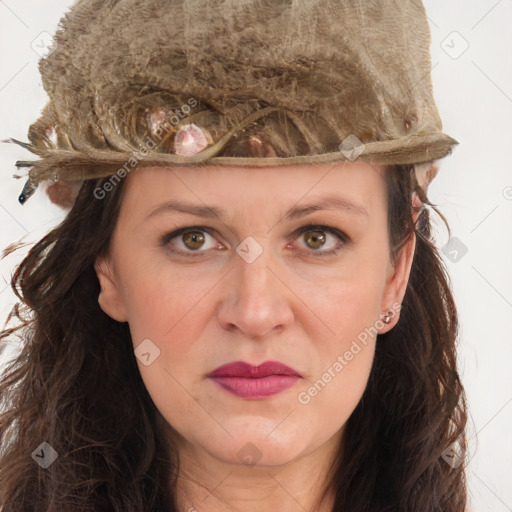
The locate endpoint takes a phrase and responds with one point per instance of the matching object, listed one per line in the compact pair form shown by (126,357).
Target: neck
(208,484)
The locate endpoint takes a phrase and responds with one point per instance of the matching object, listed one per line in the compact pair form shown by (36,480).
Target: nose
(257,300)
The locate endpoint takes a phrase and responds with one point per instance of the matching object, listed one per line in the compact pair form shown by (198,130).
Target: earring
(387,318)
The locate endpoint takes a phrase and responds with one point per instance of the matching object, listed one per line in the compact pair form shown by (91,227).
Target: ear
(396,284)
(110,298)
(416,206)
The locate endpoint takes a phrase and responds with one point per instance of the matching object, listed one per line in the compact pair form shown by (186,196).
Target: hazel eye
(197,240)
(190,240)
(193,239)
(317,238)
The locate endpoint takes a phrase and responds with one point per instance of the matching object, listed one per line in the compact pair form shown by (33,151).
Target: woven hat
(138,83)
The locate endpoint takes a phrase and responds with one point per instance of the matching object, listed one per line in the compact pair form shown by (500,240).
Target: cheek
(343,358)
(171,309)
(159,300)
(348,299)
(349,306)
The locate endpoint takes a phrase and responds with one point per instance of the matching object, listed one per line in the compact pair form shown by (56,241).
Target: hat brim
(74,165)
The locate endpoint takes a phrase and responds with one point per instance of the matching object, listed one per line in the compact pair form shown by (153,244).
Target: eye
(317,238)
(190,239)
(199,239)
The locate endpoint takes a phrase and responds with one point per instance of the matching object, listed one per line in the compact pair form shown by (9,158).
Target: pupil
(196,240)
(317,236)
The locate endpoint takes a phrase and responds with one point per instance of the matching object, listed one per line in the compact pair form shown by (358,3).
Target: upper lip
(243,369)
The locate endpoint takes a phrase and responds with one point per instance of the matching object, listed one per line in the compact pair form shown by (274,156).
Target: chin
(258,449)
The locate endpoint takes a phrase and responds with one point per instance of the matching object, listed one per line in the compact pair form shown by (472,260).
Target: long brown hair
(76,385)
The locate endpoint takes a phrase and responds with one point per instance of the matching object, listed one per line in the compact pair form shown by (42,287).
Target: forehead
(254,187)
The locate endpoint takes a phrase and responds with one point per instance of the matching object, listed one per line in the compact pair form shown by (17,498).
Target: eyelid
(322,227)
(180,231)
(342,237)
(165,241)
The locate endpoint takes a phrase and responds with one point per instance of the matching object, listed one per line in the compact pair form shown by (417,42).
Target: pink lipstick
(255,382)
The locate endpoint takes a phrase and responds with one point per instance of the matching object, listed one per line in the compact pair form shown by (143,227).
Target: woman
(243,308)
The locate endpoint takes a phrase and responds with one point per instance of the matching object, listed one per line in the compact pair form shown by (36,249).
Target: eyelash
(342,237)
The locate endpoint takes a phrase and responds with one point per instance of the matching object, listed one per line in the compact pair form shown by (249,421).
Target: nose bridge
(257,300)
(254,276)
(255,290)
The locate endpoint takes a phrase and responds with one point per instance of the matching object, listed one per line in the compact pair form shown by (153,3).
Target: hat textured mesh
(304,75)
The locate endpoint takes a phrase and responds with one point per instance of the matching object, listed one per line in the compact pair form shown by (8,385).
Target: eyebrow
(329,202)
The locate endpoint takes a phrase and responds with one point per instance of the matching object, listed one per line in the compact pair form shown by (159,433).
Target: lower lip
(256,389)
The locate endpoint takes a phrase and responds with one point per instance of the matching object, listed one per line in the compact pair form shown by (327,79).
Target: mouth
(255,382)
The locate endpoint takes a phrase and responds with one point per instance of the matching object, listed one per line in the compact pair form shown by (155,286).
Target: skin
(289,305)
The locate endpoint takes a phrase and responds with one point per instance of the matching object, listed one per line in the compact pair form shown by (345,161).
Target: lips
(246,370)
(255,382)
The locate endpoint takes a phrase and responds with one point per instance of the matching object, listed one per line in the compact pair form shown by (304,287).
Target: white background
(473,90)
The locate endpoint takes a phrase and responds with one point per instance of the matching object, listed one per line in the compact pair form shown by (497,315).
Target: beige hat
(138,83)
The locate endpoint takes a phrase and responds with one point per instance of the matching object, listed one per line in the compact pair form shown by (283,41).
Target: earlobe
(109,299)
(396,285)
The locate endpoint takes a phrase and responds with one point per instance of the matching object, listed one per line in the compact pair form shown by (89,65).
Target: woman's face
(288,265)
